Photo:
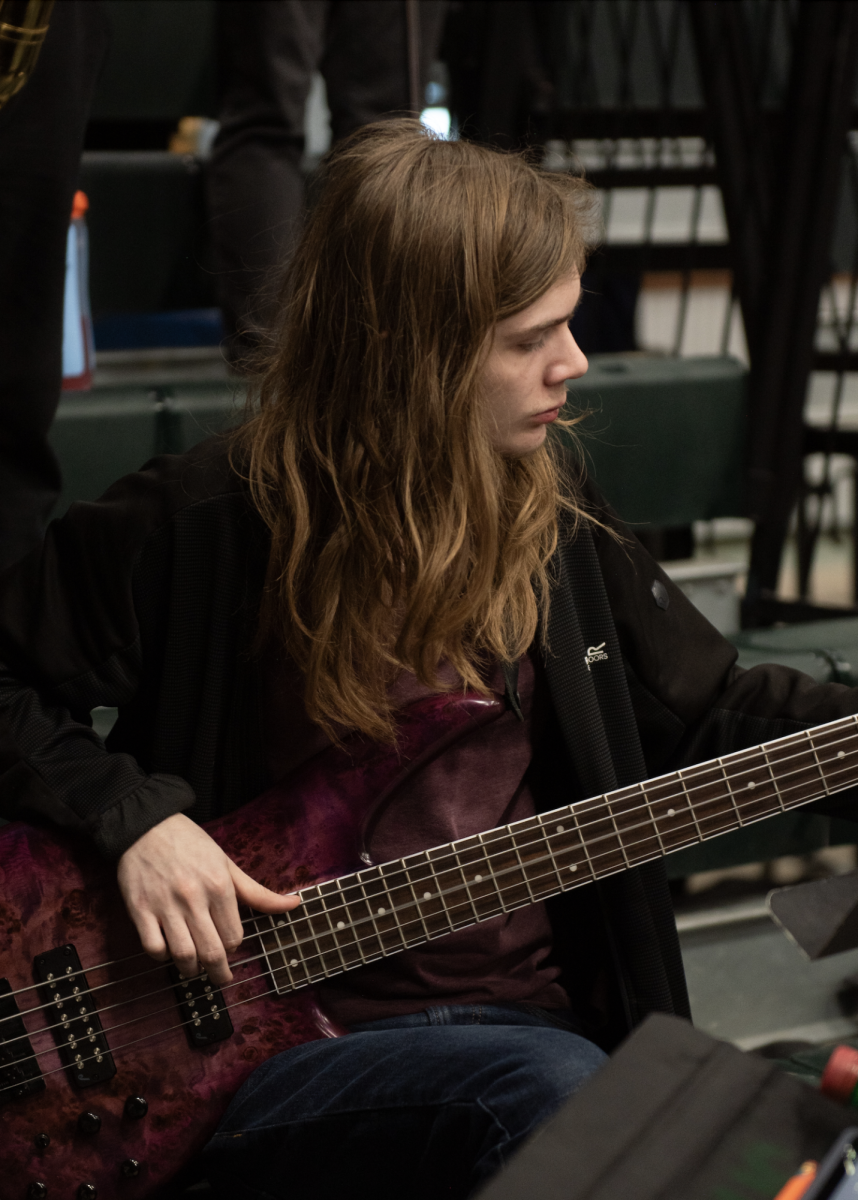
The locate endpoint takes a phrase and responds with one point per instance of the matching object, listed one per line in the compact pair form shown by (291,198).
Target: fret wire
(440,889)
(287,962)
(523,868)
(583,842)
(427,862)
(392,910)
(807,734)
(690,804)
(334,932)
(617,832)
(647,804)
(547,839)
(418,904)
(352,925)
(265,952)
(491,870)
(730,791)
(409,906)
(772,774)
(465,883)
(370,915)
(309,920)
(538,844)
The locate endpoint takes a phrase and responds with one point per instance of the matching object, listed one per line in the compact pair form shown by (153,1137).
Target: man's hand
(182,893)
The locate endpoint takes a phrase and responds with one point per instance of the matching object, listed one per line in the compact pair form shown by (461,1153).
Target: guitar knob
(130,1168)
(136,1107)
(37,1191)
(89,1123)
(87,1191)
(42,1140)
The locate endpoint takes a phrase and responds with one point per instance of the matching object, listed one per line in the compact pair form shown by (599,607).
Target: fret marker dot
(341,924)
(573,867)
(671,812)
(560,829)
(751,786)
(381,911)
(293,962)
(478,879)
(427,895)
(841,753)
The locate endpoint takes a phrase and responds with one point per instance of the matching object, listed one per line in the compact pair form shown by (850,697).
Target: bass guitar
(115,1070)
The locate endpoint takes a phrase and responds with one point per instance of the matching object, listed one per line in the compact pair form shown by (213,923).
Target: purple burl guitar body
(145,1073)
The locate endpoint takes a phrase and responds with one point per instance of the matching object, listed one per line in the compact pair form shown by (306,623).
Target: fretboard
(383,909)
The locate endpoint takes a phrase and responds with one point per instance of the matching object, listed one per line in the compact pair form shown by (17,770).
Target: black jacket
(147,600)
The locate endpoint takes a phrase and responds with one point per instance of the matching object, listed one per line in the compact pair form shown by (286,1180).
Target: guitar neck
(381,910)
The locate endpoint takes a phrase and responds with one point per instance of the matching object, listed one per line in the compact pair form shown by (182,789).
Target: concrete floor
(749,985)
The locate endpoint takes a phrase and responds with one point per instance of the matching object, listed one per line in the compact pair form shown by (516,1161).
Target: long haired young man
(393,520)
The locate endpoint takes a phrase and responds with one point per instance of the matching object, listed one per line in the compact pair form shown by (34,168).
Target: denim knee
(415,1111)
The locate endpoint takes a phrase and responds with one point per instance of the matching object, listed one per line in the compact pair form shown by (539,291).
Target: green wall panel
(665,437)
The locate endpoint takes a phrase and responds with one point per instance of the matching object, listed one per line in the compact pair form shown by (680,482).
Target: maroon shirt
(477,784)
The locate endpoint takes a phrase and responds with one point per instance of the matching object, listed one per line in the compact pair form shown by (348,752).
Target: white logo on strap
(595,654)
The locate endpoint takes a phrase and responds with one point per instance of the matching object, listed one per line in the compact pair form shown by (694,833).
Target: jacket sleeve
(691,699)
(69,641)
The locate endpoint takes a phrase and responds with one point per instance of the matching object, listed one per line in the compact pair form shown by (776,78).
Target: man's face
(532,356)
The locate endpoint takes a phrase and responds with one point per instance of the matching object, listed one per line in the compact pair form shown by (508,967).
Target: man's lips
(545,418)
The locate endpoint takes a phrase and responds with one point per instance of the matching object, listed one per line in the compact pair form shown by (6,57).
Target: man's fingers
(259,897)
(182,947)
(151,937)
(197,946)
(227,922)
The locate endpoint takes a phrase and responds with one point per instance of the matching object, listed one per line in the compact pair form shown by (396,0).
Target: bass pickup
(19,1068)
(74,1017)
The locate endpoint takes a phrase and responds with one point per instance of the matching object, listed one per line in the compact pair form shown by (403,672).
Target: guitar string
(329,912)
(227,1007)
(314,936)
(456,867)
(418,921)
(647,804)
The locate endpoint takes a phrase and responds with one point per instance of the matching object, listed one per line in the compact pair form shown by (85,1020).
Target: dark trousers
(422,1106)
(41,137)
(269,51)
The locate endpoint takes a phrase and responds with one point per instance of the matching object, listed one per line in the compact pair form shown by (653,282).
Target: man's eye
(533,345)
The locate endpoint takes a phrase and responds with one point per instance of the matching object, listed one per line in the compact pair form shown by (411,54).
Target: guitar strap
(590,695)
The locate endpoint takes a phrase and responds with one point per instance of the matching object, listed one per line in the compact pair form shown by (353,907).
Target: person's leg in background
(366,58)
(256,191)
(269,50)
(41,138)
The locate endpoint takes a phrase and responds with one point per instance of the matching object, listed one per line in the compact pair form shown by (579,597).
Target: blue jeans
(422,1106)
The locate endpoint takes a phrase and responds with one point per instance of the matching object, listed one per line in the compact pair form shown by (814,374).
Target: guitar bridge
(19,1069)
(73,1014)
(204,1013)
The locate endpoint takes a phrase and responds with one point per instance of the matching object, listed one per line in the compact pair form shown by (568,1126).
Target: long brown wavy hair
(399,536)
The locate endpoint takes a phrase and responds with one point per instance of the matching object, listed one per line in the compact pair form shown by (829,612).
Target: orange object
(798,1184)
(79,205)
